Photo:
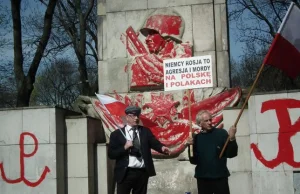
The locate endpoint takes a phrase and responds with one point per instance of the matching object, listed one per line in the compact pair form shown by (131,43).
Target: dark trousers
(136,179)
(213,186)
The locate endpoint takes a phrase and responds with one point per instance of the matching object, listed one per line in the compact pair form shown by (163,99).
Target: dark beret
(133,110)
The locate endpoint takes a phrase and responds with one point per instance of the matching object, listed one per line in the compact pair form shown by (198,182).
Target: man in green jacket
(211,171)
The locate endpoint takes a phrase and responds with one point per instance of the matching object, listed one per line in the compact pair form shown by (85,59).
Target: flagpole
(286,17)
(243,107)
(190,121)
(112,119)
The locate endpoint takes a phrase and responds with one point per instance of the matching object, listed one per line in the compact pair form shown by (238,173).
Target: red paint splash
(166,24)
(161,116)
(147,67)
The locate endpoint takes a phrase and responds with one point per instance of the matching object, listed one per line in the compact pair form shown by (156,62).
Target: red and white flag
(112,105)
(284,52)
(111,112)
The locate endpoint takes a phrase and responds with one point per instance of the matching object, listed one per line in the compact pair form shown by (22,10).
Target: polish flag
(284,52)
(114,106)
(110,110)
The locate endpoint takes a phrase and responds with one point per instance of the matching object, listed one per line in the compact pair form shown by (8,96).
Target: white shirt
(133,161)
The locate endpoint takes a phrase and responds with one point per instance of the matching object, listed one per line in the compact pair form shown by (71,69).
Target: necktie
(135,139)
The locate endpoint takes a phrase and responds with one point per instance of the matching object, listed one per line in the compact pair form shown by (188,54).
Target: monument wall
(130,68)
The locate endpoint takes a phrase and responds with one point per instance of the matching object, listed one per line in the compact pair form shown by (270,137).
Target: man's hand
(165,150)
(232,132)
(128,145)
(190,141)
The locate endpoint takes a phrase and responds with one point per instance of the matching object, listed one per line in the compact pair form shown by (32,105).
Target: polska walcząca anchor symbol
(24,155)
(286,131)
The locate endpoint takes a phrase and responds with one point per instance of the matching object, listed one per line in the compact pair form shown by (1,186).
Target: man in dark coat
(211,171)
(131,148)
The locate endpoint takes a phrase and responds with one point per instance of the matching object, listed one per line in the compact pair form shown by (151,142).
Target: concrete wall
(268,139)
(274,132)
(32,151)
(43,152)
(83,133)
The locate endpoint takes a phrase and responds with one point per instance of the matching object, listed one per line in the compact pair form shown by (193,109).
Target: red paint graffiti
(162,115)
(162,108)
(24,155)
(286,131)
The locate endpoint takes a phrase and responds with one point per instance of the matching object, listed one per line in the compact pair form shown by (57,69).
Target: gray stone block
(123,5)
(242,162)
(136,20)
(230,116)
(115,47)
(78,185)
(297,182)
(223,69)
(219,1)
(112,76)
(11,126)
(273,182)
(240,182)
(105,168)
(101,34)
(84,130)
(186,14)
(101,7)
(203,27)
(83,134)
(221,27)
(173,176)
(172,3)
(121,21)
(37,121)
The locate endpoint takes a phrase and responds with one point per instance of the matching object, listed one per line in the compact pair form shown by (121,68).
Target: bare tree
(244,72)
(78,19)
(4,20)
(25,81)
(57,84)
(7,83)
(257,22)
(7,86)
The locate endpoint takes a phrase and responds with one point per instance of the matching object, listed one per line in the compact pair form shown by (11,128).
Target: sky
(236,47)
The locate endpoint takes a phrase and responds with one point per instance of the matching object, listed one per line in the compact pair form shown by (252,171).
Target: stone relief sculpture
(163,30)
(166,114)
(168,119)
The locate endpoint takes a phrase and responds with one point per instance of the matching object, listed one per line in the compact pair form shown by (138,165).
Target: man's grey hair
(199,115)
